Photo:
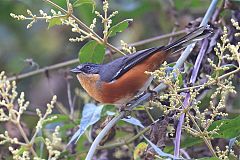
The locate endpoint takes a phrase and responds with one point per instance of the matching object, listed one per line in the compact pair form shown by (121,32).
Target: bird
(121,80)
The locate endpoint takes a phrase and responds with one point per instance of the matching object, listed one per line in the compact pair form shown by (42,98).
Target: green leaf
(120,27)
(61,3)
(60,118)
(158,150)
(139,108)
(187,66)
(139,150)
(67,126)
(39,139)
(108,108)
(187,142)
(54,21)
(92,52)
(21,150)
(230,157)
(221,71)
(180,79)
(82,2)
(90,115)
(230,128)
(171,64)
(133,121)
(81,148)
(85,12)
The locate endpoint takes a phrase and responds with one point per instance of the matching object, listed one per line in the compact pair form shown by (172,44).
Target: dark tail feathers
(196,35)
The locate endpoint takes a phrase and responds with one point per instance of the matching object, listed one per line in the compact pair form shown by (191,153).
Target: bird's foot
(125,108)
(153,94)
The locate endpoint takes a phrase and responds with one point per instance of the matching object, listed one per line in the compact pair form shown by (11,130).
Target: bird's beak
(75,70)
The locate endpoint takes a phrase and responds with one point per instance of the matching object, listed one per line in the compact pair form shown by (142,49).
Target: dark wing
(118,67)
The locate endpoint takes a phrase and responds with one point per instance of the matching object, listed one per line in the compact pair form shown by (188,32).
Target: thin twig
(21,130)
(185,154)
(125,142)
(157,38)
(42,70)
(174,18)
(85,27)
(210,83)
(70,100)
(149,114)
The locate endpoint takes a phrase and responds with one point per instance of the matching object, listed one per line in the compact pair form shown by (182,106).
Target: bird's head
(87,68)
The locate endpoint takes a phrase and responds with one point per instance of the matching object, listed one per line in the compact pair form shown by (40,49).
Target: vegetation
(194,113)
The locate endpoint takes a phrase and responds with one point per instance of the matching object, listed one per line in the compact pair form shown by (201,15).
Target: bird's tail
(196,35)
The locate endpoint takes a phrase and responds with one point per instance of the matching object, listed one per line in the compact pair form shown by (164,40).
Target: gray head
(87,68)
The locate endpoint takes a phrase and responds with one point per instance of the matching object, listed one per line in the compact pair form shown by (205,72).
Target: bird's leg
(153,94)
(125,108)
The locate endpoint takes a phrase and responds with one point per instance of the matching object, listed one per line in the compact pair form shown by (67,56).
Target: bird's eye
(87,67)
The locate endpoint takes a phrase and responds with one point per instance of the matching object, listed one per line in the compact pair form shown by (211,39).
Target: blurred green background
(23,50)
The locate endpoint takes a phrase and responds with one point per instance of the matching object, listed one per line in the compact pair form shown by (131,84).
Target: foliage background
(23,50)
(46,47)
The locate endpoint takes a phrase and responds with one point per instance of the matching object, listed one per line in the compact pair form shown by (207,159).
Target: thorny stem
(22,144)
(73,61)
(85,27)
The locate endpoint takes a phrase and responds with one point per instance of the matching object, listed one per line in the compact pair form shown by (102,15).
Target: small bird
(122,79)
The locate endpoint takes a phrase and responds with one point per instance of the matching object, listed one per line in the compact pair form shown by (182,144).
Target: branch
(52,67)
(74,61)
(102,134)
(125,142)
(157,38)
(85,27)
